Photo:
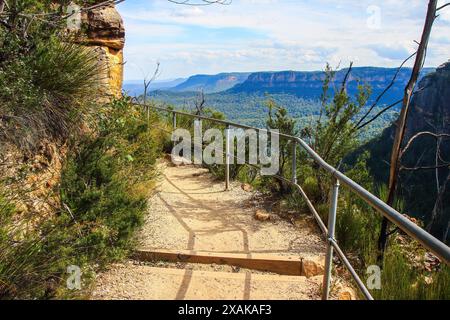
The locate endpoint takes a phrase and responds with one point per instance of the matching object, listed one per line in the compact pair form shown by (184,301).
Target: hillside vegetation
(243,100)
(250,108)
(409,272)
(420,188)
(75,173)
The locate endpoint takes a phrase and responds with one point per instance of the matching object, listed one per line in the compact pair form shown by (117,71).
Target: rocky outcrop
(105,33)
(430,106)
(430,110)
(31,179)
(313,266)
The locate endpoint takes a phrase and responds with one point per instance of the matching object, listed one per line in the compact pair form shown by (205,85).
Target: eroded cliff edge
(104,32)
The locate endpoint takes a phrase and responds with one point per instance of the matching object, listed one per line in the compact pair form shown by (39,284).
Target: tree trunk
(401,123)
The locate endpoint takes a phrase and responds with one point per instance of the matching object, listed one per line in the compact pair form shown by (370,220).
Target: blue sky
(272,35)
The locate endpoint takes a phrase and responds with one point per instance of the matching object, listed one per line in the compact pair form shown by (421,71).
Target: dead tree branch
(347,75)
(200,103)
(438,208)
(443,6)
(377,100)
(401,124)
(379,114)
(441,166)
(420,134)
(147,82)
(201,2)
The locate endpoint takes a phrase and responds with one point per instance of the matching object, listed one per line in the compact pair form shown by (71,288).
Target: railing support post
(330,236)
(174,124)
(174,121)
(294,162)
(198,142)
(227,158)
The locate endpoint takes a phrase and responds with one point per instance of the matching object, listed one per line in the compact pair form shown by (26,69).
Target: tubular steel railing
(437,247)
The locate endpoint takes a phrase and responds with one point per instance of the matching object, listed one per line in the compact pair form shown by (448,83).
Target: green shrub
(27,268)
(104,188)
(106,182)
(400,280)
(47,82)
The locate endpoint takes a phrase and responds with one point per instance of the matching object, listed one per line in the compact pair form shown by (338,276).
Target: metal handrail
(437,247)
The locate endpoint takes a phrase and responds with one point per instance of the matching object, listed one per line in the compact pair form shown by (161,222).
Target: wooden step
(151,283)
(284,265)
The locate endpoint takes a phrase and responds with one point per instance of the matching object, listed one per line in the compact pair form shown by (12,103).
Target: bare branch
(420,134)
(377,100)
(445,165)
(156,73)
(147,83)
(379,114)
(443,6)
(347,75)
(437,210)
(201,2)
(200,103)
(386,109)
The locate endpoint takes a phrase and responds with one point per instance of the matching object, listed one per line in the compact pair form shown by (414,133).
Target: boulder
(262,215)
(312,267)
(105,27)
(347,293)
(105,34)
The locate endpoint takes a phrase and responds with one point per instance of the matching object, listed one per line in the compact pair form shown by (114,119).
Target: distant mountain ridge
(211,83)
(308,85)
(302,84)
(136,87)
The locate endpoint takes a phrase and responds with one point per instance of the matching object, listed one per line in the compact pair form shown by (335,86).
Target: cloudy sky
(272,35)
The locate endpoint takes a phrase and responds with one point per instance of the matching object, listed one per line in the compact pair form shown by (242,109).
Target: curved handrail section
(439,248)
(431,243)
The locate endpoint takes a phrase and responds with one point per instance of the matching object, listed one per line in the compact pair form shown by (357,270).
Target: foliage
(333,135)
(401,280)
(104,189)
(46,80)
(106,182)
(357,222)
(279,119)
(245,108)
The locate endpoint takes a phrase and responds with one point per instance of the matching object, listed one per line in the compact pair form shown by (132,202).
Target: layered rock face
(105,34)
(430,111)
(430,108)
(309,85)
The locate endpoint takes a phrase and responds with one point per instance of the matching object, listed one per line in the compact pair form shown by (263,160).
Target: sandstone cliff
(309,85)
(37,174)
(105,33)
(431,105)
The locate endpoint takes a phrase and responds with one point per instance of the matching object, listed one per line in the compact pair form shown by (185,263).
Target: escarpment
(38,171)
(104,32)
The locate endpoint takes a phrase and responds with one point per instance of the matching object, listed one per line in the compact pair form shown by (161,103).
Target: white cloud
(251,35)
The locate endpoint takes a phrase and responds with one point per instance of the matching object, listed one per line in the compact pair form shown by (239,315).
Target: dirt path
(191,211)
